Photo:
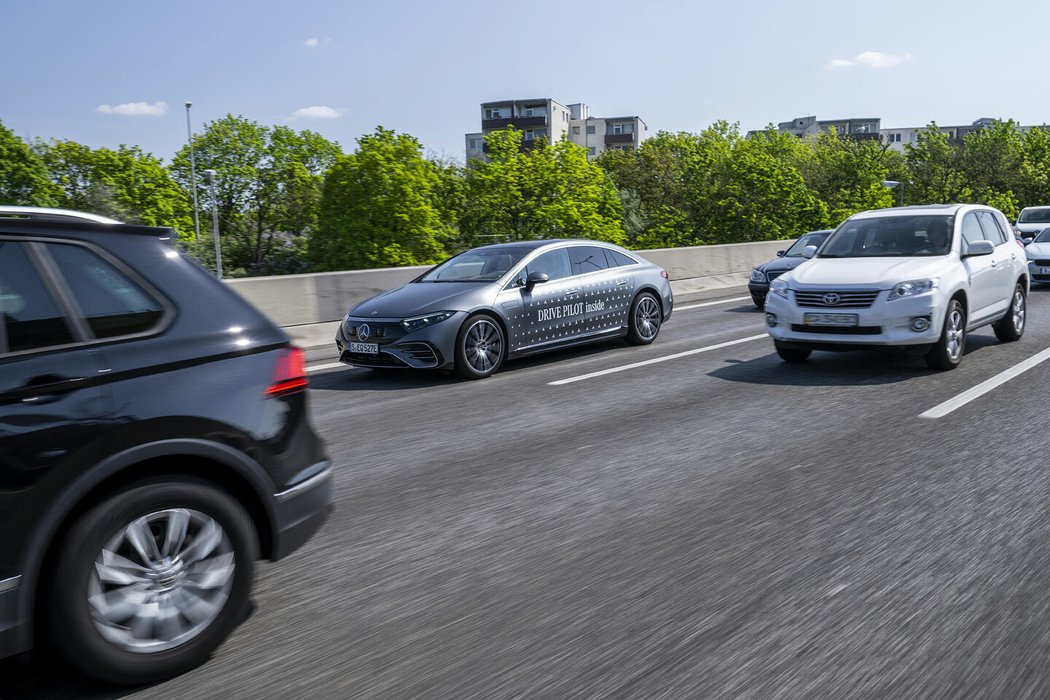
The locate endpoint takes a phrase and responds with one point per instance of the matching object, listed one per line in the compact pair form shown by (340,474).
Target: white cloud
(314,42)
(135,109)
(316,112)
(869,59)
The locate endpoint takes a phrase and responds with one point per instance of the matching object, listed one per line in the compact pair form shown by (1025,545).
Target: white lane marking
(943,409)
(633,365)
(330,365)
(712,303)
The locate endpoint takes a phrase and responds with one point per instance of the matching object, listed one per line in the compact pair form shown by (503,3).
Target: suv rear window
(110,302)
(30,316)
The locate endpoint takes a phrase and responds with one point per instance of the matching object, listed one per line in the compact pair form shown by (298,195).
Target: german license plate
(366,348)
(830,319)
(1044,271)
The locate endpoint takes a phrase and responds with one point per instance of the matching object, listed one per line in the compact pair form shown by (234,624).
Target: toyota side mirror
(535,278)
(809,251)
(979,248)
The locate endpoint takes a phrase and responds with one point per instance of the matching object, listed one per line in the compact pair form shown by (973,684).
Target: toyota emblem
(831,299)
(363,331)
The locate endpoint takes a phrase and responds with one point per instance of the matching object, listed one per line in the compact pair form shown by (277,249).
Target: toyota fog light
(771,320)
(920,323)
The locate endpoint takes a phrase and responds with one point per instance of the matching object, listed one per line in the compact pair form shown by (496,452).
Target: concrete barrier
(310,306)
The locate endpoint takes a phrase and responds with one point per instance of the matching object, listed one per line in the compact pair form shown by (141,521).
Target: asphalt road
(717,525)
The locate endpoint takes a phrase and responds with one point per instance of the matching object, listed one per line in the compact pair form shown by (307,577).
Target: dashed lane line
(712,303)
(655,360)
(960,400)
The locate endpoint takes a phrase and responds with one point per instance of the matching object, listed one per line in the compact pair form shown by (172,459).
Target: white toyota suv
(909,276)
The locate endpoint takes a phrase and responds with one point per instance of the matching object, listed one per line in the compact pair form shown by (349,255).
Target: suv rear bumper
(301,510)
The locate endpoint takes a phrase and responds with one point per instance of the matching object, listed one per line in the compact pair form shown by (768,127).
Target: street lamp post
(900,190)
(210,174)
(193,176)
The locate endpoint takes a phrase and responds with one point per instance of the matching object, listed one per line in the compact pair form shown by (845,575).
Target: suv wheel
(150,582)
(947,352)
(789,354)
(1011,326)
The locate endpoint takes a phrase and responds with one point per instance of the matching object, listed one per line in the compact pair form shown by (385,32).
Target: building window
(493,114)
(590,128)
(591,151)
(477,144)
(575,131)
(623,128)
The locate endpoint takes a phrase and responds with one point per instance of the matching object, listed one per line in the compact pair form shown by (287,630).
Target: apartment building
(549,120)
(898,138)
(854,127)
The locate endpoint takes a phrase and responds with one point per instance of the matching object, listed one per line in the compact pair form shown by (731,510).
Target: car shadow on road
(853,368)
(744,309)
(44,678)
(363,379)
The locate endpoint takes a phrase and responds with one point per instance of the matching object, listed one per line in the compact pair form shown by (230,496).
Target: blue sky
(107,72)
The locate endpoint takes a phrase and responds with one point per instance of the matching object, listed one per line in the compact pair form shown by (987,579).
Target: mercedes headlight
(911,288)
(757,275)
(779,287)
(419,322)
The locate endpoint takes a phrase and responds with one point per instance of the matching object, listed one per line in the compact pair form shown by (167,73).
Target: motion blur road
(720,524)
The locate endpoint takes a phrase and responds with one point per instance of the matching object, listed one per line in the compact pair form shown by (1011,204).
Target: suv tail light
(289,376)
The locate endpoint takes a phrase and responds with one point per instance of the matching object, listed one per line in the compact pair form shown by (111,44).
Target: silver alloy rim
(954,333)
(483,346)
(647,318)
(161,580)
(1019,311)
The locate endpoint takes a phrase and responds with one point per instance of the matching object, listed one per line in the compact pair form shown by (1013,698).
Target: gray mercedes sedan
(481,307)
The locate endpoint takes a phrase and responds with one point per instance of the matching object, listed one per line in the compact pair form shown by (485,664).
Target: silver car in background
(474,311)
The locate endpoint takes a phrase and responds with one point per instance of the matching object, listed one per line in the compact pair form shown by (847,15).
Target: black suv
(154,443)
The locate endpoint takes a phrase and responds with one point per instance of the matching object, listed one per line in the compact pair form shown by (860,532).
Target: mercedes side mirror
(780,253)
(979,248)
(809,251)
(535,278)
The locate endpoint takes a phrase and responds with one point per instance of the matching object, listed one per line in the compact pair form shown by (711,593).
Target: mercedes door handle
(572,292)
(620,283)
(48,388)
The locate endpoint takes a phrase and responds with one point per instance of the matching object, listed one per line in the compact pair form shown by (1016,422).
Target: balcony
(618,138)
(526,145)
(518,122)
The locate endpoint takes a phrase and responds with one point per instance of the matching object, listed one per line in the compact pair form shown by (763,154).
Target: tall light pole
(210,174)
(193,175)
(900,190)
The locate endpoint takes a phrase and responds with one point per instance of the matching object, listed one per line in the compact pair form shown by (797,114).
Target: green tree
(543,191)
(384,205)
(23,175)
(125,184)
(937,171)
(1033,175)
(847,173)
(267,191)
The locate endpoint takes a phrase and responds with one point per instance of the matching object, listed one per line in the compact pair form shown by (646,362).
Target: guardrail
(300,303)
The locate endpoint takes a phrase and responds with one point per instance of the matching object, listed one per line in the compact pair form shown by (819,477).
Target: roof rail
(48,214)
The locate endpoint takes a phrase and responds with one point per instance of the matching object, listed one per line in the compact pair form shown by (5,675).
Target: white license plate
(1044,271)
(366,348)
(830,319)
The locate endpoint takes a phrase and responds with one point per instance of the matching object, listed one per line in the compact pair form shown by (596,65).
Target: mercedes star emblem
(363,331)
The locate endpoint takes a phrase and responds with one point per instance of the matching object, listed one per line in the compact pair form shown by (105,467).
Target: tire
(103,588)
(643,322)
(947,352)
(788,354)
(759,301)
(1011,326)
(480,347)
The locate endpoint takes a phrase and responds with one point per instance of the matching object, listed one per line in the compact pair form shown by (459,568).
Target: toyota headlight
(780,288)
(419,322)
(911,288)
(757,275)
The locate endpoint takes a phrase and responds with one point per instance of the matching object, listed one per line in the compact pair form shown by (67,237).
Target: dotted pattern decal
(600,302)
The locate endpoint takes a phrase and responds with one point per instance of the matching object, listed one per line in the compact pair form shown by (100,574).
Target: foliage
(542,191)
(23,176)
(384,205)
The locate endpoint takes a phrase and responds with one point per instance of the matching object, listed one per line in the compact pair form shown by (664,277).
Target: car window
(971,230)
(587,258)
(30,314)
(111,303)
(991,228)
(1034,216)
(554,262)
(904,235)
(617,259)
(1043,237)
(478,265)
(798,247)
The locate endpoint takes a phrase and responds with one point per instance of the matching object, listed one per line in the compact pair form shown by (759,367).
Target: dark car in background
(488,304)
(786,260)
(154,442)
